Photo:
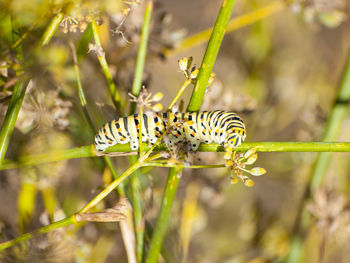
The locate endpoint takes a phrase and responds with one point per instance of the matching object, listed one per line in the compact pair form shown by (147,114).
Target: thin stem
(11,116)
(24,35)
(105,68)
(164,215)
(233,24)
(141,55)
(157,164)
(210,55)
(115,183)
(65,222)
(111,187)
(83,103)
(194,105)
(178,95)
(89,151)
(50,30)
(82,98)
(137,204)
(136,88)
(16,99)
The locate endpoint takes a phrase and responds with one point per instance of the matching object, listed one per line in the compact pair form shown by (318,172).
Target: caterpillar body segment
(223,127)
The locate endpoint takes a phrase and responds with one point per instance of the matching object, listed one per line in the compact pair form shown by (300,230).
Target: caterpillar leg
(194,145)
(134,144)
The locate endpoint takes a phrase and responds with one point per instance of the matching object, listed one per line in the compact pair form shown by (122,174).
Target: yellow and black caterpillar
(223,127)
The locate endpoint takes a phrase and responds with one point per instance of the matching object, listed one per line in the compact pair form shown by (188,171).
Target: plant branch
(164,215)
(194,105)
(135,178)
(210,55)
(105,68)
(50,30)
(89,151)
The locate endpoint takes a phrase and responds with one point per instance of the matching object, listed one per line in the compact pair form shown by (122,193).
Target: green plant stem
(194,105)
(11,116)
(83,103)
(210,54)
(141,55)
(16,99)
(105,68)
(82,97)
(178,95)
(24,35)
(137,205)
(50,30)
(89,151)
(333,127)
(164,215)
(65,222)
(111,187)
(156,164)
(135,178)
(233,24)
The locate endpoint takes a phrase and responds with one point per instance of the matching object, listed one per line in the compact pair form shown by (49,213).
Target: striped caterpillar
(223,127)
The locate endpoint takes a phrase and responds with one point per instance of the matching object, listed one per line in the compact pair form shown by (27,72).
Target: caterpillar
(223,127)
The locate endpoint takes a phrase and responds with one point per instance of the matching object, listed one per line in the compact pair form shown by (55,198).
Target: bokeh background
(281,74)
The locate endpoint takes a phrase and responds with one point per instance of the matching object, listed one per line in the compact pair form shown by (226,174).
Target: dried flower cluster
(330,211)
(147,100)
(44,110)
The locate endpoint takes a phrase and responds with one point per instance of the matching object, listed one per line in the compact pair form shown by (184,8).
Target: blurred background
(281,75)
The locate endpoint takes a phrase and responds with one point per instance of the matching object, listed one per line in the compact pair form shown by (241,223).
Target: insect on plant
(175,128)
